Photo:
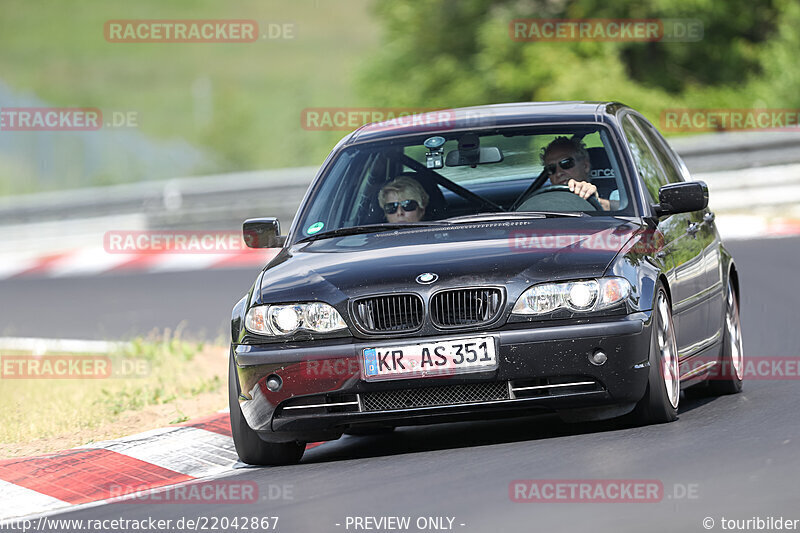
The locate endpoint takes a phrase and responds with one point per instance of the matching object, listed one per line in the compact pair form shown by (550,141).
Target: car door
(682,253)
(704,232)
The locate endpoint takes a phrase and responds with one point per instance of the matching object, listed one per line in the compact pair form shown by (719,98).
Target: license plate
(430,359)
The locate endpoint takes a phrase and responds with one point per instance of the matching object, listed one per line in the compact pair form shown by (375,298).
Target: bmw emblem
(427,278)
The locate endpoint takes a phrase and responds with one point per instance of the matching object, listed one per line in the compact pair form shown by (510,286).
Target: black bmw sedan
(484,262)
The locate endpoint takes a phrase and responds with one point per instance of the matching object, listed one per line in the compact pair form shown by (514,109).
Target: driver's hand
(584,189)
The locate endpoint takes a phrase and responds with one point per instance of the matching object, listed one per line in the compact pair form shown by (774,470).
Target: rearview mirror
(458,158)
(681,198)
(262,233)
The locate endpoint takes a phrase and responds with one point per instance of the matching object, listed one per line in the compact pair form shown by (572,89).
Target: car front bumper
(539,367)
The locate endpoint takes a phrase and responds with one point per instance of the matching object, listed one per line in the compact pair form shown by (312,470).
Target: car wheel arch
(733,277)
(658,279)
(237,318)
(664,283)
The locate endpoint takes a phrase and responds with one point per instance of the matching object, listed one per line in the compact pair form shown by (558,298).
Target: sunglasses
(565,164)
(407,205)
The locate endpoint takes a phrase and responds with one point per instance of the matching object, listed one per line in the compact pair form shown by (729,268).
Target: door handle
(709,217)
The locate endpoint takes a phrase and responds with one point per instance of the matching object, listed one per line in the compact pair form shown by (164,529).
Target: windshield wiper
(369,228)
(480,217)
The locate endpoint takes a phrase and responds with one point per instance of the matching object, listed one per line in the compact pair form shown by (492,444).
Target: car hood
(515,253)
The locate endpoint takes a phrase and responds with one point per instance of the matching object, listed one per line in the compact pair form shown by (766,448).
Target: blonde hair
(407,188)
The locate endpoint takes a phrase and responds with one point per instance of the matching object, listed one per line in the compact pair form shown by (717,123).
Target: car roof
(485,116)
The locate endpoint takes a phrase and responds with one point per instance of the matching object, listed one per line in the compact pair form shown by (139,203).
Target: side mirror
(262,233)
(681,198)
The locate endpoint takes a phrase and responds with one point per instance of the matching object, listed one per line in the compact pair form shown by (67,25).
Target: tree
(450,53)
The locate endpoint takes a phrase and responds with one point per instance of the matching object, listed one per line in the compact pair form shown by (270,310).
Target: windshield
(441,178)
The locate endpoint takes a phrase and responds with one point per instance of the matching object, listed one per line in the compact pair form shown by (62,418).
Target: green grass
(40,408)
(256,91)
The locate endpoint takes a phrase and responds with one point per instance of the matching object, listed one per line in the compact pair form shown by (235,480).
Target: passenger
(566,162)
(403,200)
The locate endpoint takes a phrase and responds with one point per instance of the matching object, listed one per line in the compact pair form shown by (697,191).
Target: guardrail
(204,202)
(753,188)
(738,150)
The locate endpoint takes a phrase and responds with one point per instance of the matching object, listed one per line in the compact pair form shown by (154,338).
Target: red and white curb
(94,261)
(105,471)
(749,227)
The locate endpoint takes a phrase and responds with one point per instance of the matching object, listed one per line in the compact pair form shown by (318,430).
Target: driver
(566,162)
(403,200)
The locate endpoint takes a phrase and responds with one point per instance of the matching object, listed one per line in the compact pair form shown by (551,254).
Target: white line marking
(39,346)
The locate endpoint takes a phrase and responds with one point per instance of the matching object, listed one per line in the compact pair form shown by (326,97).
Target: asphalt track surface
(736,457)
(122,306)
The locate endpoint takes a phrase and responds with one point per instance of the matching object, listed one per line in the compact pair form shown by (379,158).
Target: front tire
(660,401)
(250,447)
(728,380)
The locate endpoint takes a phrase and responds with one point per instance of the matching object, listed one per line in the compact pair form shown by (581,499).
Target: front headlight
(577,296)
(287,319)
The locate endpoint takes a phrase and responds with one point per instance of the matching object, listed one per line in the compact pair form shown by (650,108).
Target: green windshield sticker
(314,228)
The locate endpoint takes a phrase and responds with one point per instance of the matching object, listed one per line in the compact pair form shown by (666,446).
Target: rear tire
(728,378)
(250,447)
(660,401)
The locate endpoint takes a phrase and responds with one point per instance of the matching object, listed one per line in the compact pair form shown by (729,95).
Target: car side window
(661,149)
(643,158)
